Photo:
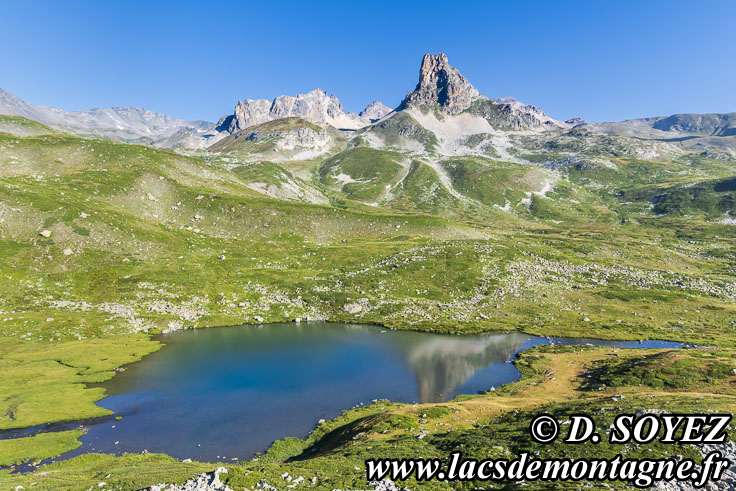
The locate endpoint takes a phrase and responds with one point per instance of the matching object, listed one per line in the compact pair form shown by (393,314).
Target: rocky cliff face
(315,106)
(440,83)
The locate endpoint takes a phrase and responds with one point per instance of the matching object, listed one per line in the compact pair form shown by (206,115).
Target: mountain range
(440,85)
(446,149)
(117,123)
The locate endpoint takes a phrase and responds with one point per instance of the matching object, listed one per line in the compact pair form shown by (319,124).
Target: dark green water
(224,393)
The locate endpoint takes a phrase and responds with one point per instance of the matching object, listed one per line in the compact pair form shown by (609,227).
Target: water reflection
(216,394)
(441,364)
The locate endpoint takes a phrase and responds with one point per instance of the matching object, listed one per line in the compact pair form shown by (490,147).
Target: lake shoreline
(377,330)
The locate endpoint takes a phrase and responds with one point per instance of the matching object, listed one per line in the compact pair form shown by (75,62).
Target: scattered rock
(204,482)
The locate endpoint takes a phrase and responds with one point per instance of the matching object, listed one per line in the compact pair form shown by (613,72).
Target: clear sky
(599,60)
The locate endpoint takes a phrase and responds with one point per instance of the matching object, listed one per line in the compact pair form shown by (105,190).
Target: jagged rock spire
(441,83)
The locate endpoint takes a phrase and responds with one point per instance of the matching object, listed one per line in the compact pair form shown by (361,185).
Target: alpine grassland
(452,214)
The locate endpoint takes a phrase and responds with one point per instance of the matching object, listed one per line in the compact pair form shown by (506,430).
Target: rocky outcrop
(526,115)
(374,111)
(315,106)
(727,480)
(440,83)
(208,481)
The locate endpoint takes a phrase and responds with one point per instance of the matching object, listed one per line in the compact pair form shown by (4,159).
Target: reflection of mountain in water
(441,364)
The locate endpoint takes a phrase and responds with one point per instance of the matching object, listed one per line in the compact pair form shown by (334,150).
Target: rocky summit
(440,83)
(314,106)
(375,110)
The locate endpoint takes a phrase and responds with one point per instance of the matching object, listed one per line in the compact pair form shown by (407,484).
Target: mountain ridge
(124,123)
(440,85)
(316,106)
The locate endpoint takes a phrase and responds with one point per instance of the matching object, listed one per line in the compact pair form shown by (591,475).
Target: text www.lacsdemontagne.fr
(640,472)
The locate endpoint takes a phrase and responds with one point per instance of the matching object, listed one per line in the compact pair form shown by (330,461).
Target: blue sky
(599,60)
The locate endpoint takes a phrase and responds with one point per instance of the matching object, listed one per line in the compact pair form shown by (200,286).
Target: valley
(453,214)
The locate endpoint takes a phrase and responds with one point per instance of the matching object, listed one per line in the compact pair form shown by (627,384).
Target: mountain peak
(316,106)
(375,111)
(441,83)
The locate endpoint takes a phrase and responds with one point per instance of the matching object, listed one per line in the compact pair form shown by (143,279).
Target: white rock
(353,308)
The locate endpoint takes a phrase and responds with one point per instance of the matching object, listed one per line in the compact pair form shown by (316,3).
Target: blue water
(218,394)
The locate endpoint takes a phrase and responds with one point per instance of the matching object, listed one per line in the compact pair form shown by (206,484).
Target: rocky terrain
(207,481)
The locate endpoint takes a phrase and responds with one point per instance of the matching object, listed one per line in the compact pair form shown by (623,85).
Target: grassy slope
(20,126)
(373,170)
(401,128)
(45,382)
(157,240)
(131,471)
(713,199)
(38,447)
(238,143)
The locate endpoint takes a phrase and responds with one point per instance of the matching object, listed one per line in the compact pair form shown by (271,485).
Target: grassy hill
(19,126)
(282,139)
(713,198)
